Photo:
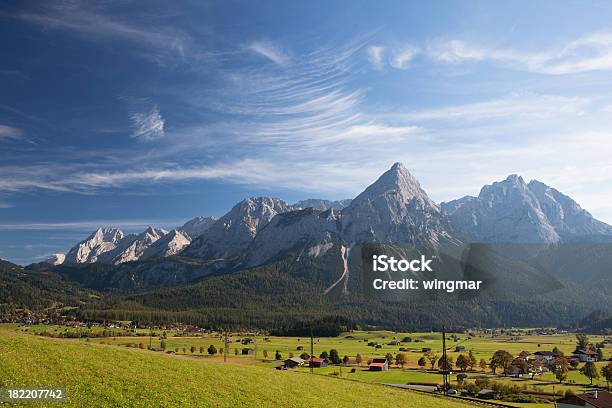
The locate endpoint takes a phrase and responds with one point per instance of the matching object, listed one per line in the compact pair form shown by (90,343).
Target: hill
(37,289)
(142,378)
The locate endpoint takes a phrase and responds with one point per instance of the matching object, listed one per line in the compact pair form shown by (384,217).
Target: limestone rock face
(233,233)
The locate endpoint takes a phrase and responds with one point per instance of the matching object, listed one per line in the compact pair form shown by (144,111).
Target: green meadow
(179,356)
(119,376)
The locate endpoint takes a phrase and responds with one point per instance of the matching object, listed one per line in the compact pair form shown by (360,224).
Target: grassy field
(117,376)
(355,343)
(350,344)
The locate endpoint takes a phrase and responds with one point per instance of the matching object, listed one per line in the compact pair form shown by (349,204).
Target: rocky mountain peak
(567,217)
(394,209)
(396,181)
(232,233)
(101,241)
(170,244)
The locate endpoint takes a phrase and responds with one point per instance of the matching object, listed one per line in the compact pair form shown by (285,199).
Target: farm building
(294,362)
(407,340)
(585,356)
(595,399)
(546,356)
(317,362)
(459,349)
(247,340)
(426,349)
(247,351)
(379,364)
(393,343)
(373,344)
(300,348)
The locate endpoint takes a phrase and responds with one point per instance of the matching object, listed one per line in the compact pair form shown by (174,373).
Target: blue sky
(121,113)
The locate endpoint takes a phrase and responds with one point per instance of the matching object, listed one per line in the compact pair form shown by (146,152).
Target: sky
(131,114)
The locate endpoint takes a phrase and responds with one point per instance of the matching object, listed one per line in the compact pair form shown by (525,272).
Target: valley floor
(97,374)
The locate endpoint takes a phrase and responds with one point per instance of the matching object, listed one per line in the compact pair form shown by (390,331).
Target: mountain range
(393,210)
(266,261)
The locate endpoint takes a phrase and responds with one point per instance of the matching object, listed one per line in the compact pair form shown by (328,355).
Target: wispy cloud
(4,205)
(376,55)
(9,132)
(592,52)
(89,225)
(96,21)
(516,106)
(402,57)
(270,51)
(147,125)
(309,126)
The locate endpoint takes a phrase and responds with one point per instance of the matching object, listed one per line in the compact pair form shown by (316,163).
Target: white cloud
(401,58)
(592,52)
(306,127)
(271,51)
(4,205)
(89,225)
(376,54)
(9,132)
(147,125)
(92,22)
(516,107)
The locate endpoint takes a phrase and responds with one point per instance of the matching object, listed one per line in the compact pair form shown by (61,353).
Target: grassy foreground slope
(110,376)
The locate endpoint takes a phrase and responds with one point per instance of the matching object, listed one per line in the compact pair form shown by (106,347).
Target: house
(407,340)
(379,364)
(585,356)
(247,351)
(294,362)
(544,356)
(487,394)
(459,349)
(595,399)
(247,340)
(317,362)
(426,349)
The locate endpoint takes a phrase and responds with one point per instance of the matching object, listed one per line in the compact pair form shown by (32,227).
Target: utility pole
(311,351)
(225,346)
(150,338)
(445,368)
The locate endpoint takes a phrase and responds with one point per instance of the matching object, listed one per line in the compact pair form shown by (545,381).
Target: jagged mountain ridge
(512,211)
(393,210)
(197,226)
(231,234)
(101,241)
(321,204)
